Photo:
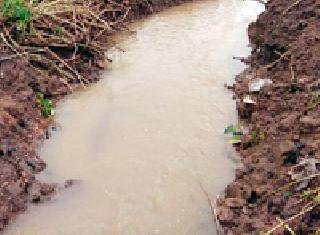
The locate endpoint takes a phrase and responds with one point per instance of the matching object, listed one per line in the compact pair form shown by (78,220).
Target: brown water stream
(147,137)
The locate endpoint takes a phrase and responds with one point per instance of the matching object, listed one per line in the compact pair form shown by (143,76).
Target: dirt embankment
(29,66)
(278,188)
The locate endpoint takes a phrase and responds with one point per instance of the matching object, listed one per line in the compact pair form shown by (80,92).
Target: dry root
(64,37)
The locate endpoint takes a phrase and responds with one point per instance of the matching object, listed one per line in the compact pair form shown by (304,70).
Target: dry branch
(68,32)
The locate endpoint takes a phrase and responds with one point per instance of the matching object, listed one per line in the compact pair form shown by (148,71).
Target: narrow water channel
(147,139)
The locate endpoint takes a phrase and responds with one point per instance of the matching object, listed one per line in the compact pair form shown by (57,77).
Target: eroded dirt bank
(280,148)
(22,125)
(146,141)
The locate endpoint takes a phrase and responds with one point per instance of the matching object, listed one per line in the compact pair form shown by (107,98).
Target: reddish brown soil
(23,128)
(287,112)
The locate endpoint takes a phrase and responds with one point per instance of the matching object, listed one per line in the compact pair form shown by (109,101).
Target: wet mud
(146,142)
(22,125)
(280,149)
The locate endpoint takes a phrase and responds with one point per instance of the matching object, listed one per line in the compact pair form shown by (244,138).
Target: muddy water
(146,139)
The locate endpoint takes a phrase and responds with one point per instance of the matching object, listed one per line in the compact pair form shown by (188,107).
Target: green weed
(312,195)
(19,12)
(59,31)
(45,104)
(257,137)
(236,134)
(16,10)
(254,136)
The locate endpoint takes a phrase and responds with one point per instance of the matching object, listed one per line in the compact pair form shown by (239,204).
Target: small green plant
(59,31)
(19,12)
(16,10)
(254,136)
(45,104)
(257,136)
(236,134)
(312,195)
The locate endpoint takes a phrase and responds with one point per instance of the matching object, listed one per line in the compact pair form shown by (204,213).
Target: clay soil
(22,124)
(279,179)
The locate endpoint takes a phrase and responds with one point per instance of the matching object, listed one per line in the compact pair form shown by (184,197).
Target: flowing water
(147,141)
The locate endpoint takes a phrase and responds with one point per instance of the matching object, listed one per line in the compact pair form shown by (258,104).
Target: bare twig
(297,181)
(282,56)
(79,77)
(283,223)
(82,21)
(291,6)
(291,69)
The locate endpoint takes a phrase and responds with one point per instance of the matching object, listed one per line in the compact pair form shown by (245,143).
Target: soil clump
(276,189)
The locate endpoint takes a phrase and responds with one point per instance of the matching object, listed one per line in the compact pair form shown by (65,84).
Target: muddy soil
(284,115)
(281,163)
(23,127)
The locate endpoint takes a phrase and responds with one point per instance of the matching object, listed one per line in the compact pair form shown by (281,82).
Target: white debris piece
(248,100)
(255,85)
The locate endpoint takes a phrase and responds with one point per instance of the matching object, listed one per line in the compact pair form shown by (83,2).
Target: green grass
(236,134)
(18,12)
(45,104)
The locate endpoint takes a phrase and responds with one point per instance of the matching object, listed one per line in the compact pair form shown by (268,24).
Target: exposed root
(67,33)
